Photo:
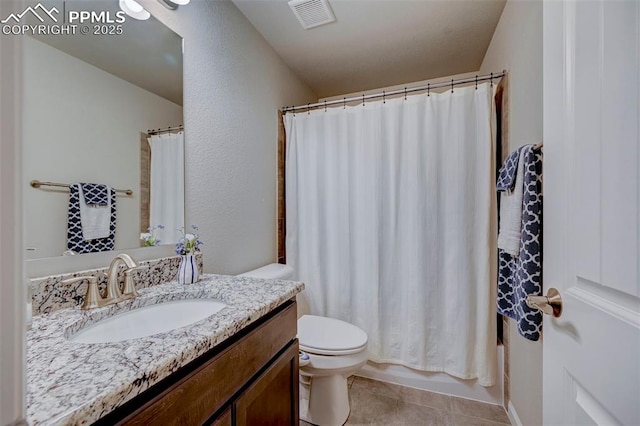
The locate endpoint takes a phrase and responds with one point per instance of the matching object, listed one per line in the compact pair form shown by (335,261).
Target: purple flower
(189,243)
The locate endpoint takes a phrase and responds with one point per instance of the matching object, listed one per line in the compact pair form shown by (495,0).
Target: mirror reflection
(105,110)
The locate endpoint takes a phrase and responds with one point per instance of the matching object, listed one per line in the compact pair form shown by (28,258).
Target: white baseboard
(513,415)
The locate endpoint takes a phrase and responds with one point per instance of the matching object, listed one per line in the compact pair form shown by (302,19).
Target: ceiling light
(173,4)
(134,9)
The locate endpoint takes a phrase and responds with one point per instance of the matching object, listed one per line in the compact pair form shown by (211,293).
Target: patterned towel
(507,174)
(75,240)
(95,194)
(522,275)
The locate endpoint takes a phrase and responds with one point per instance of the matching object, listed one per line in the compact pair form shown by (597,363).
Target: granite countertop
(78,383)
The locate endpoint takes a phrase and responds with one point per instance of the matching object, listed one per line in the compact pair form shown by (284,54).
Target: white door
(591,211)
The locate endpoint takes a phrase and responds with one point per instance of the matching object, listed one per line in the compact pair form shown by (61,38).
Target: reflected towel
(75,239)
(95,218)
(95,194)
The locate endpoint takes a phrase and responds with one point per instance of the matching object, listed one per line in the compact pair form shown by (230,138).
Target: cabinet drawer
(196,397)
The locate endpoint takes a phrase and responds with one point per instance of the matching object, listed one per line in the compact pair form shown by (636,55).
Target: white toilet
(335,349)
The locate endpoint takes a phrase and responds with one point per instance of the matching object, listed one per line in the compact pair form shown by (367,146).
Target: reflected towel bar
(38,184)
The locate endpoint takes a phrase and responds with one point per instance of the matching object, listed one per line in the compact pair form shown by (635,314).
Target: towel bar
(38,184)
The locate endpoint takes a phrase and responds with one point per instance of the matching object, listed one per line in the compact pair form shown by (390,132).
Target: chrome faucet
(113,294)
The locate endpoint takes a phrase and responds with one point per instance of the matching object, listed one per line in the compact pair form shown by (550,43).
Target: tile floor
(383,404)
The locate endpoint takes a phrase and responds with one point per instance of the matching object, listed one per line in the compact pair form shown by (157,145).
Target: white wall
(234,84)
(517,47)
(82,124)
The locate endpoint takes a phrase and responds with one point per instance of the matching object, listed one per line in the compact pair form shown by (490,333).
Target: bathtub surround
(72,383)
(49,294)
(438,382)
(377,196)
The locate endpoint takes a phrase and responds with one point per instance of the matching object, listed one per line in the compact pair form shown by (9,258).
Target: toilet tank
(272,271)
(278,271)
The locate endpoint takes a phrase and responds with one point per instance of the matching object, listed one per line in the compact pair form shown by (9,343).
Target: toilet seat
(328,336)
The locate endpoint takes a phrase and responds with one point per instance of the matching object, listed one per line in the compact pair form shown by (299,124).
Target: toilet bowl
(335,349)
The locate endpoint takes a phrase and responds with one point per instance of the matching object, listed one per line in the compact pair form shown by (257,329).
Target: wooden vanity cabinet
(251,379)
(273,398)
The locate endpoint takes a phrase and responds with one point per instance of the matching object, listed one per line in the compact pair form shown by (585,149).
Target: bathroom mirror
(90,99)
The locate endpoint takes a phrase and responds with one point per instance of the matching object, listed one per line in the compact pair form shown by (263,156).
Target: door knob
(551,304)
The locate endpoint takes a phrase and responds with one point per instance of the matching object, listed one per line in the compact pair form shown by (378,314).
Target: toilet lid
(328,336)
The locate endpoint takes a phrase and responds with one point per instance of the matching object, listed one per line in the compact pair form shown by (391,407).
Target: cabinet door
(272,400)
(224,419)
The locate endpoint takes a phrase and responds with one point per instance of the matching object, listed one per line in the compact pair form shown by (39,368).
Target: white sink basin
(148,320)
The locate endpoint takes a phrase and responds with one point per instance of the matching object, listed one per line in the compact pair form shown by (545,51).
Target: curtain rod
(38,184)
(167,130)
(451,83)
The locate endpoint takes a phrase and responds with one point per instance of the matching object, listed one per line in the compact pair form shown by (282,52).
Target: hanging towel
(520,276)
(511,203)
(95,214)
(75,236)
(507,174)
(95,194)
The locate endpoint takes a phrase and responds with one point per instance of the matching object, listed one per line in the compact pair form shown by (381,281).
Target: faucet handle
(129,288)
(92,298)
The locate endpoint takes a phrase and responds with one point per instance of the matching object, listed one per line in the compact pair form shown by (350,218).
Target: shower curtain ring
(363,99)
(491,79)
(325,106)
(451,85)
(384,99)
(344,103)
(476,81)
(309,108)
(405,93)
(428,89)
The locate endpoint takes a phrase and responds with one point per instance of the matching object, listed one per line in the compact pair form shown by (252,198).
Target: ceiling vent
(312,13)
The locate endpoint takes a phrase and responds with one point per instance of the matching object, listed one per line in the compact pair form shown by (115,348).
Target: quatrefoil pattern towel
(95,194)
(75,240)
(521,276)
(507,174)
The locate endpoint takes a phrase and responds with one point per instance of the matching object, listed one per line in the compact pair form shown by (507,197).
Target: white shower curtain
(167,185)
(391,223)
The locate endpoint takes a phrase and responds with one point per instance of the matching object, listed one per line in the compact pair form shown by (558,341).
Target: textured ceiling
(378,43)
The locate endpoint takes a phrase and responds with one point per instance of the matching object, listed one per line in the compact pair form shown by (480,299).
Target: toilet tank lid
(322,335)
(272,271)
